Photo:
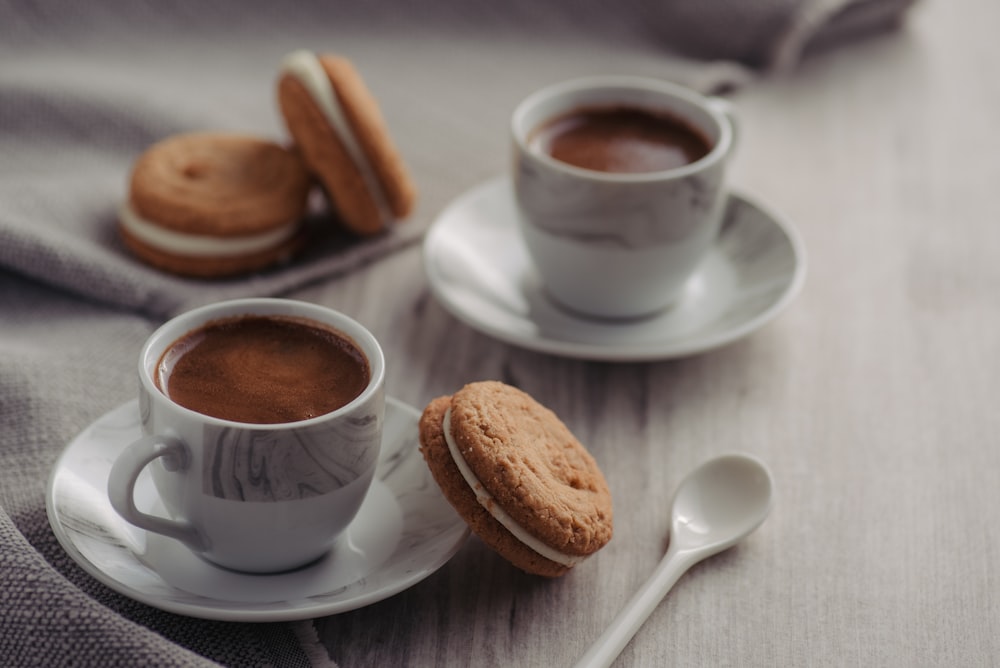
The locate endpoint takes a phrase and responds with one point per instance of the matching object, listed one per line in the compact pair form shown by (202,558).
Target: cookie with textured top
(214,204)
(338,126)
(519,478)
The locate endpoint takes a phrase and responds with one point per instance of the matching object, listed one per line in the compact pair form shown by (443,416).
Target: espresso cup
(253,495)
(612,240)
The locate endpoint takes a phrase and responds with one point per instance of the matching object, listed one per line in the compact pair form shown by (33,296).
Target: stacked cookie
(517,476)
(217,204)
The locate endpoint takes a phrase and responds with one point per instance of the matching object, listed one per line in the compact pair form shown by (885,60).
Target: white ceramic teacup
(252,497)
(619,245)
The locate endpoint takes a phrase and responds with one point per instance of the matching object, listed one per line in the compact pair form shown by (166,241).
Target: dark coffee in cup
(620,139)
(263,369)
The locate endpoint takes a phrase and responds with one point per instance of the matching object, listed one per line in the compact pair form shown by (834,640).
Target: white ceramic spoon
(716,506)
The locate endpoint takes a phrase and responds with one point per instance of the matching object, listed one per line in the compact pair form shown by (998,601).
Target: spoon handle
(607,647)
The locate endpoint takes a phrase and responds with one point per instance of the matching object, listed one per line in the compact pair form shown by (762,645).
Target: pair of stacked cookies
(216,204)
(516,474)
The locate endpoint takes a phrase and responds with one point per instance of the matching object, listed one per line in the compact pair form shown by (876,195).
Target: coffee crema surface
(620,139)
(263,369)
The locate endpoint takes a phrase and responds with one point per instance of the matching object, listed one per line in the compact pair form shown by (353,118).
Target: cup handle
(727,109)
(121,486)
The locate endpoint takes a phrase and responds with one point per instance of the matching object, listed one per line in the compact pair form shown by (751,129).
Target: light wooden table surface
(872,398)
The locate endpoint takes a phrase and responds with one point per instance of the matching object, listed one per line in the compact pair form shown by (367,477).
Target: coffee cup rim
(179,325)
(720,148)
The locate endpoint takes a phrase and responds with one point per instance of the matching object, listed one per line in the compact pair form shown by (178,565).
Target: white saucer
(479,270)
(404,531)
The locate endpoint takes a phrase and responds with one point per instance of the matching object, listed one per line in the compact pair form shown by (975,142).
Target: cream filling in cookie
(486,501)
(305,66)
(199,245)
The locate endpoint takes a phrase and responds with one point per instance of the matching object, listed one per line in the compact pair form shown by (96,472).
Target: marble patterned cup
(252,497)
(617,245)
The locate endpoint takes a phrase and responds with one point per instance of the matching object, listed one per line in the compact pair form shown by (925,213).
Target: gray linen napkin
(84,87)
(771,35)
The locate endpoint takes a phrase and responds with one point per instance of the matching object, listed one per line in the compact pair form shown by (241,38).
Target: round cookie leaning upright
(519,478)
(214,204)
(337,124)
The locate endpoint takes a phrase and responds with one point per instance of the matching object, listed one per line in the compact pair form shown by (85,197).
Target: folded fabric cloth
(772,35)
(85,87)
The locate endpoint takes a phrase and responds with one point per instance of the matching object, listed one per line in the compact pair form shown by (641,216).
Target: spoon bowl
(720,503)
(716,506)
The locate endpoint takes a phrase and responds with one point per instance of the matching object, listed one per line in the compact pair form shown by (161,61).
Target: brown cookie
(213,204)
(534,488)
(337,124)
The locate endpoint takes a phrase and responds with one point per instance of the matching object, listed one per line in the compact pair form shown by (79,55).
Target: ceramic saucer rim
(636,352)
(234,611)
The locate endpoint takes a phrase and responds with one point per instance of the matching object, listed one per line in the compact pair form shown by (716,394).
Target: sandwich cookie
(519,478)
(213,205)
(339,129)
